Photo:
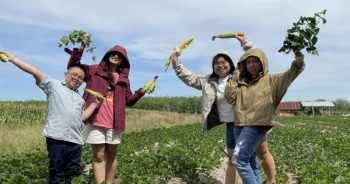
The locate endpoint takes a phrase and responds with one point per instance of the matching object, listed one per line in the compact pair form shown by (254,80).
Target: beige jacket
(208,85)
(255,105)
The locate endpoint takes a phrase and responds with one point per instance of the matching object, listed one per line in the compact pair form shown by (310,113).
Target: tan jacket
(256,104)
(208,85)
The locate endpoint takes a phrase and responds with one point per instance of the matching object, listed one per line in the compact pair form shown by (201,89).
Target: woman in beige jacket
(256,95)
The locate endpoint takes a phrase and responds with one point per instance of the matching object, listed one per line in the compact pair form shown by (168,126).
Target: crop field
(159,146)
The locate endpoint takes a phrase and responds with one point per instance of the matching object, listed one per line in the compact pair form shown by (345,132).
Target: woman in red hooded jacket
(105,126)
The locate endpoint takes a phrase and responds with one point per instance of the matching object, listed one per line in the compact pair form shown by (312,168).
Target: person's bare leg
(231,173)
(98,152)
(267,161)
(111,162)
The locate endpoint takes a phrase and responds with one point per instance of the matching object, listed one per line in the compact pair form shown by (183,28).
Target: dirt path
(217,174)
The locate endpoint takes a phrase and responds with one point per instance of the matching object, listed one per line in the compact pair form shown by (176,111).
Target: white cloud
(145,28)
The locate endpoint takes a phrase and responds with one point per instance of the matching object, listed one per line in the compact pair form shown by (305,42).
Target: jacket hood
(227,56)
(125,63)
(254,52)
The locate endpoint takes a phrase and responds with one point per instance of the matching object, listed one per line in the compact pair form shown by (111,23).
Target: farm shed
(317,105)
(288,108)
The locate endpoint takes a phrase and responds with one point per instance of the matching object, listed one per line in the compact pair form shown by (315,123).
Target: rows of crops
(316,149)
(152,156)
(34,112)
(313,149)
(22,112)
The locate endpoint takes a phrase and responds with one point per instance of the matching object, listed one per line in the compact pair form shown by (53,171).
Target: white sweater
(225,109)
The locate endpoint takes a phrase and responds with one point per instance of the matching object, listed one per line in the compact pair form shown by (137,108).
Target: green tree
(341,105)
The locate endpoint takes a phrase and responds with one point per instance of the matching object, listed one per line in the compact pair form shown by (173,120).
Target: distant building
(288,108)
(319,107)
(316,108)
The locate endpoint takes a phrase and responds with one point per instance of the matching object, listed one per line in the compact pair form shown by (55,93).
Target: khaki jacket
(256,104)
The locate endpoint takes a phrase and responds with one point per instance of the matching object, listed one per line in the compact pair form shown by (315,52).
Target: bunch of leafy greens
(303,34)
(78,37)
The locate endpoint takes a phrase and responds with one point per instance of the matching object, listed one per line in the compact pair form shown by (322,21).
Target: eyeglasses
(223,62)
(76,76)
(117,55)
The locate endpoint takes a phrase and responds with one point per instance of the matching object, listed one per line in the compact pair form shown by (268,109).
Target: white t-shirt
(225,109)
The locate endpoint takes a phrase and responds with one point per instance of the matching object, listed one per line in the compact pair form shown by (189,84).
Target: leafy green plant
(312,149)
(303,34)
(183,104)
(79,36)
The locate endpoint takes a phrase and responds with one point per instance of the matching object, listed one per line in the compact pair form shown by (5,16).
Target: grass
(15,138)
(19,138)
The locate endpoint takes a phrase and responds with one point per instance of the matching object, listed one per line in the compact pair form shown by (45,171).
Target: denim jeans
(230,137)
(244,157)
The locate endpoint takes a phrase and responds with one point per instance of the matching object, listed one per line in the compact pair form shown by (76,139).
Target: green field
(161,145)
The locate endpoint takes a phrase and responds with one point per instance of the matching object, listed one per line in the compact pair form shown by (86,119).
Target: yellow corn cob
(226,35)
(178,50)
(94,93)
(150,85)
(187,42)
(4,57)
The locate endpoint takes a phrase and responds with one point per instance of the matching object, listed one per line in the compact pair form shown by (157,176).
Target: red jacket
(97,80)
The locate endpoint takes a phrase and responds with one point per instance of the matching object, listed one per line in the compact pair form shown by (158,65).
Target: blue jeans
(230,137)
(244,157)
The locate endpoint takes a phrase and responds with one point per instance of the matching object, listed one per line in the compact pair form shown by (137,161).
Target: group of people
(243,97)
(66,110)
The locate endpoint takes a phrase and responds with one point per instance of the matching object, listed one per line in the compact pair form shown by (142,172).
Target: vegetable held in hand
(303,34)
(150,85)
(79,37)
(3,57)
(225,35)
(178,50)
(94,93)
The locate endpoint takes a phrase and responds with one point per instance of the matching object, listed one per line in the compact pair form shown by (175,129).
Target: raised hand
(241,36)
(175,59)
(5,56)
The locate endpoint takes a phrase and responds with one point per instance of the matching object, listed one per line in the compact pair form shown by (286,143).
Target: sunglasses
(116,54)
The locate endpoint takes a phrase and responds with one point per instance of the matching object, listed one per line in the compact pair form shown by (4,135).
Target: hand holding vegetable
(97,100)
(240,36)
(174,58)
(299,54)
(5,57)
(150,86)
(83,45)
(178,49)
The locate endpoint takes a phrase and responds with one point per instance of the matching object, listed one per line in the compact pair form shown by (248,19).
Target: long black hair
(111,81)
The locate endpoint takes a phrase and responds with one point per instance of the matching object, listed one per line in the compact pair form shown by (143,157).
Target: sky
(30,30)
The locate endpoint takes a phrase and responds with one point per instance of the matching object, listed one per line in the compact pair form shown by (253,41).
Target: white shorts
(101,135)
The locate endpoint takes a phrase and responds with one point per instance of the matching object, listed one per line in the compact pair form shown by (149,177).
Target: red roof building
(288,108)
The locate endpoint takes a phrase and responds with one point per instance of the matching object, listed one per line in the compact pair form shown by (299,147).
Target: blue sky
(30,29)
